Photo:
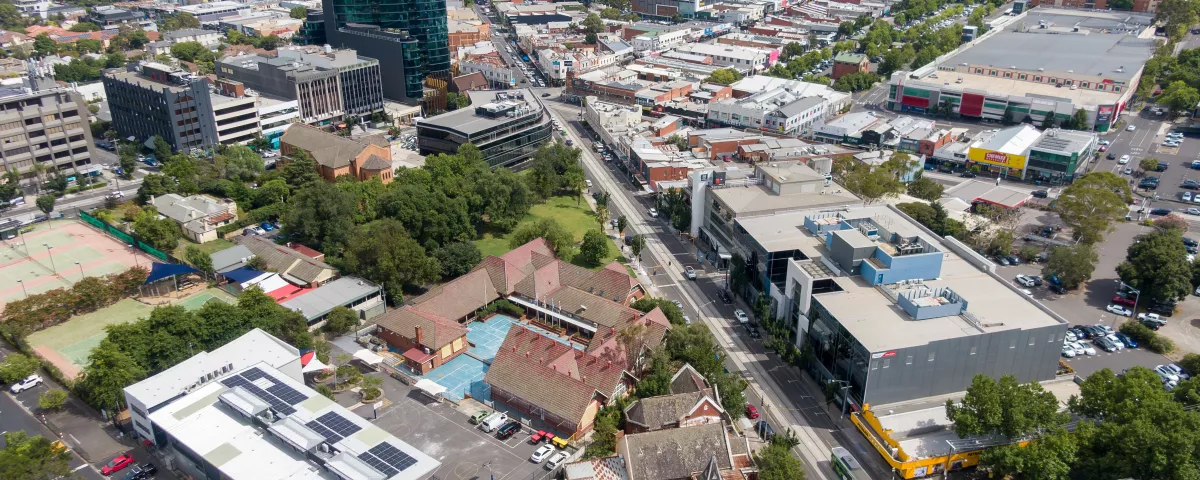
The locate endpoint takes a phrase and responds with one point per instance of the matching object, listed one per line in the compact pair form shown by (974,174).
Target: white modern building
(659,41)
(236,118)
(276,115)
(612,121)
(208,38)
(777,111)
(743,58)
(493,69)
(255,347)
(29,8)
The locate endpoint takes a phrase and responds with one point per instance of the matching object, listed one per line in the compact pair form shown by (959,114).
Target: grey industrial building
(43,123)
(507,126)
(896,311)
(330,85)
(150,99)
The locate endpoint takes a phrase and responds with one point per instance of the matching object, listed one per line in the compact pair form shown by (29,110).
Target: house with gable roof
(335,155)
(694,404)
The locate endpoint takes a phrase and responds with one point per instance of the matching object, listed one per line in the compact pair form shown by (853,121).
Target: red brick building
(427,341)
(848,63)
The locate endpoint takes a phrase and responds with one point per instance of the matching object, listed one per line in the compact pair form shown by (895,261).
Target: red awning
(418,355)
(307,357)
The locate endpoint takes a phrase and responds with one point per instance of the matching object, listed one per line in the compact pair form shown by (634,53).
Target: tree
(1049,457)
(1049,122)
(637,244)
(1007,118)
(341,320)
(1148,164)
(589,38)
(160,233)
(128,165)
(622,222)
(45,203)
(1156,266)
(44,45)
(239,163)
(382,252)
(53,399)
(298,13)
(26,457)
(845,29)
(559,238)
(162,149)
(455,101)
(925,189)
(610,14)
(17,366)
(1079,121)
(458,258)
(775,462)
(58,182)
(1178,16)
(1006,407)
(869,182)
(593,24)
(1072,264)
(1179,97)
(321,215)
(669,309)
(723,76)
(84,27)
(1092,205)
(109,370)
(198,258)
(180,21)
(1172,222)
(594,248)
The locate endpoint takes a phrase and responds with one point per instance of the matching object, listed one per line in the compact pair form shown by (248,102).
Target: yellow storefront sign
(999,159)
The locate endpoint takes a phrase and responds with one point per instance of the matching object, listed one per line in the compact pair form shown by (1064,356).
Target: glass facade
(312,31)
(427,54)
(838,354)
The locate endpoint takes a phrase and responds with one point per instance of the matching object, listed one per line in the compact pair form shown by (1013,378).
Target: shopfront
(1001,163)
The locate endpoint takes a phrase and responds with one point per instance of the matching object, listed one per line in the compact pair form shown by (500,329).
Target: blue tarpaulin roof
(160,271)
(242,275)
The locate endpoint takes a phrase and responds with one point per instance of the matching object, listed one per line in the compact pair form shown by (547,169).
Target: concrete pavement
(785,406)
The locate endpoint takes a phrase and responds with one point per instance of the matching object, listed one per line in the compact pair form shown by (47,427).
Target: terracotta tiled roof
(522,367)
(436,332)
(603,311)
(329,150)
(470,81)
(375,162)
(287,261)
(459,297)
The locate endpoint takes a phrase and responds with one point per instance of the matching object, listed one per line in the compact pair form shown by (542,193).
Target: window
(887,362)
(1037,79)
(1099,86)
(973,350)
(1031,341)
(908,361)
(992,73)
(1007,74)
(1116,89)
(1083,85)
(1022,77)
(932,355)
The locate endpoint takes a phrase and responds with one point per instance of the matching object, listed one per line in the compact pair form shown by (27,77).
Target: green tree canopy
(1072,264)
(45,203)
(1157,266)
(17,366)
(321,215)
(776,462)
(724,76)
(1006,407)
(925,189)
(559,238)
(299,12)
(594,248)
(198,258)
(341,320)
(382,252)
(27,457)
(593,24)
(1092,204)
(458,258)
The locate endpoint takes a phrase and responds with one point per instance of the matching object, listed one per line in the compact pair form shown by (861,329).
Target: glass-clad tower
(409,37)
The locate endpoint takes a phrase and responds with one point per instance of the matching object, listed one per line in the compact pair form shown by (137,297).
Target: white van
(494,421)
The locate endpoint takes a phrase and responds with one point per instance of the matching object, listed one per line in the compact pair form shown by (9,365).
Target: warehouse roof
(1096,54)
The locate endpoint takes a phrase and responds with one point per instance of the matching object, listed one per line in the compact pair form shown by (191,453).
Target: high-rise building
(153,99)
(42,123)
(408,36)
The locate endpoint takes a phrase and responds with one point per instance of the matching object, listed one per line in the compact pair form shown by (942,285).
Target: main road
(787,402)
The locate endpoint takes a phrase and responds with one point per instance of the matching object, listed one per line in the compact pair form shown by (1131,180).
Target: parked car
(144,471)
(508,430)
(479,416)
(1087,348)
(741,316)
(1003,261)
(1117,343)
(1160,211)
(751,412)
(1166,373)
(1041,193)
(541,453)
(968,174)
(1124,159)
(653,213)
(556,460)
(1152,320)
(1179,371)
(1127,340)
(26,384)
(690,272)
(267,226)
(1026,281)
(1119,310)
(1068,350)
(117,464)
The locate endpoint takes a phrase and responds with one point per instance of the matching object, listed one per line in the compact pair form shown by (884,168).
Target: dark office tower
(409,38)
(312,32)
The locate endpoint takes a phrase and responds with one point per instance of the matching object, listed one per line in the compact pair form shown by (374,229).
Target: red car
(117,464)
(1119,300)
(751,412)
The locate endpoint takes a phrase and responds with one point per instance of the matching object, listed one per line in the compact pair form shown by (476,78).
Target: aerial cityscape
(602,240)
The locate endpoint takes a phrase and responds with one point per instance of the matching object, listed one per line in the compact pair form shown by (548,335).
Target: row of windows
(1042,79)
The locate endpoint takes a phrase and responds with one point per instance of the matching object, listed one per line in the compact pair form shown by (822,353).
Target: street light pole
(48,247)
(80,270)
(22,282)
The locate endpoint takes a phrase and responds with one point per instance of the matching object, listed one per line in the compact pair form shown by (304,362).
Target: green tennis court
(211,295)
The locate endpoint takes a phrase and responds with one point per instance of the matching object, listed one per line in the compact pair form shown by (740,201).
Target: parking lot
(440,431)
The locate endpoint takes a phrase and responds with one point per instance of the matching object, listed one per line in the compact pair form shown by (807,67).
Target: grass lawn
(575,217)
(208,247)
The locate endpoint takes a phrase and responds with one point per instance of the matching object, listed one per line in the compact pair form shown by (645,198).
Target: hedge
(1148,338)
(503,306)
(43,310)
(90,186)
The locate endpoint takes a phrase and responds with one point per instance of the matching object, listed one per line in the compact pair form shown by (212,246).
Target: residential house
(295,267)
(198,216)
(427,340)
(336,155)
(686,408)
(709,451)
(470,81)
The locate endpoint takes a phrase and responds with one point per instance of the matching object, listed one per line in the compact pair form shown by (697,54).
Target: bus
(845,465)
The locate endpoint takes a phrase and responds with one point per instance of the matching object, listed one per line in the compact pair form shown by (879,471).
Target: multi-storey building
(409,36)
(742,58)
(329,85)
(665,9)
(33,8)
(661,40)
(151,99)
(493,68)
(507,127)
(44,125)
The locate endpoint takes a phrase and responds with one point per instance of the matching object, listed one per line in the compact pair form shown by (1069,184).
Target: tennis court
(487,336)
(210,295)
(461,375)
(57,254)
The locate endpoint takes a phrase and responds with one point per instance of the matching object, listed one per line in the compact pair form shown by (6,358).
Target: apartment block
(151,99)
(47,127)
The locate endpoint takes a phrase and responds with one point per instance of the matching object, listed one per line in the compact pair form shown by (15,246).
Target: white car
(556,460)
(1166,373)
(1130,128)
(1107,143)
(270,154)
(541,453)
(1116,341)
(1026,281)
(589,183)
(1119,310)
(1124,159)
(1068,351)
(653,213)
(1086,347)
(26,384)
(741,316)
(1178,371)
(1070,337)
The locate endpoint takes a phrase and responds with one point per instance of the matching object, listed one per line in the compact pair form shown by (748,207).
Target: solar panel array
(280,396)
(333,427)
(388,459)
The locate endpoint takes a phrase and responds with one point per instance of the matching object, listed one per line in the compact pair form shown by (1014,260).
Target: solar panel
(339,424)
(253,373)
(279,405)
(233,381)
(378,464)
(392,456)
(288,394)
(324,432)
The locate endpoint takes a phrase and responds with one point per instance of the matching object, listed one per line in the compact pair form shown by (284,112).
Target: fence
(125,237)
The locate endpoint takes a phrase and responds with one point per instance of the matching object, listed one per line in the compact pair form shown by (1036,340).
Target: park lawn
(574,215)
(208,247)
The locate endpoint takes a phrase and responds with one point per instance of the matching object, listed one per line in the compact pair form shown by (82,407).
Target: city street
(787,398)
